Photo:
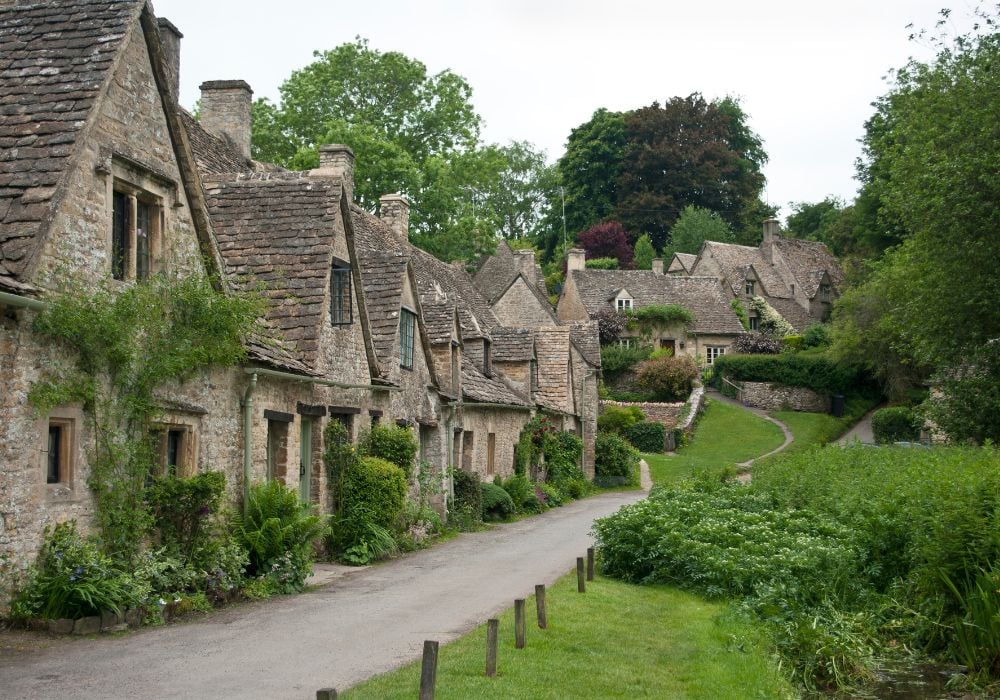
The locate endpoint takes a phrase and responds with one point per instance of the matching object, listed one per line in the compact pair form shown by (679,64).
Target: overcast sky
(806,72)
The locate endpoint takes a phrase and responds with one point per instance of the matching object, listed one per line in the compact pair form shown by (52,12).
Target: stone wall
(504,425)
(664,413)
(520,307)
(776,397)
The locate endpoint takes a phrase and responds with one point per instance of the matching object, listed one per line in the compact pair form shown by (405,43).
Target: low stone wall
(672,416)
(777,397)
(666,413)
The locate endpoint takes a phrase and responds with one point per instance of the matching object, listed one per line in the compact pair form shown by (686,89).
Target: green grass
(616,640)
(725,435)
(809,429)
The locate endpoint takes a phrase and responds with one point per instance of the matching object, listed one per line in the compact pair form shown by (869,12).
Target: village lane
(366,622)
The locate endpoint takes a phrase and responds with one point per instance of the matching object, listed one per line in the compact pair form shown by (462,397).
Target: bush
(793,343)
(646,436)
(602,264)
(182,511)
(668,378)
(73,579)
(769,321)
(497,504)
(563,451)
(375,490)
(611,323)
(895,424)
(620,358)
(617,419)
(756,344)
(816,336)
(816,372)
(616,461)
(339,457)
(549,495)
(392,443)
(468,494)
(520,490)
(278,532)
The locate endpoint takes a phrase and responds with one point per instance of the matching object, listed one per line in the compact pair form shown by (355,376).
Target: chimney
(576,259)
(394,210)
(658,266)
(225,111)
(770,235)
(337,160)
(170,43)
(526,262)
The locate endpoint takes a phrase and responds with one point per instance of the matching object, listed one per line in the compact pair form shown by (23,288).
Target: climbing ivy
(123,344)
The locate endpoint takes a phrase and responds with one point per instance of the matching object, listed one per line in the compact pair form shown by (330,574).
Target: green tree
(695,226)
(644,253)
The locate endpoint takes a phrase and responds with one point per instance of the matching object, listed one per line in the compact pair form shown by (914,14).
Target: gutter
(509,407)
(23,302)
(317,380)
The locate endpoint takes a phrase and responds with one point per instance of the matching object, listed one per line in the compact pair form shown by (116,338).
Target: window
(468,438)
(374,416)
(347,420)
(623,304)
(824,291)
(174,447)
(456,367)
(749,287)
(534,375)
(624,342)
(407,323)
(714,351)
(135,230)
(340,294)
(487,358)
(57,462)
(754,323)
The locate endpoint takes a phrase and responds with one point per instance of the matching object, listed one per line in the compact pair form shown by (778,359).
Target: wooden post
(590,563)
(492,638)
(428,670)
(326,694)
(519,623)
(581,584)
(540,606)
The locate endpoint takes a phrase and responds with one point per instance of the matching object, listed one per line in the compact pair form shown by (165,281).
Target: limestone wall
(777,397)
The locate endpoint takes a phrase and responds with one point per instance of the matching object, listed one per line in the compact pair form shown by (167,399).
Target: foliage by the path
(818,372)
(393,443)
(616,640)
(647,436)
(841,553)
(615,460)
(896,423)
(666,377)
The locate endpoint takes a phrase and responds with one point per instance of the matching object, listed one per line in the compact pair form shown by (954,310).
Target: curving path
(745,476)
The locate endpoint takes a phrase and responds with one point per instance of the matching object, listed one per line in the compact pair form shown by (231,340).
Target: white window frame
(623,304)
(712,352)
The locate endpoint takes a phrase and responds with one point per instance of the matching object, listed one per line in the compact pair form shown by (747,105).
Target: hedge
(896,423)
(646,436)
(497,503)
(375,490)
(468,494)
(816,372)
(615,460)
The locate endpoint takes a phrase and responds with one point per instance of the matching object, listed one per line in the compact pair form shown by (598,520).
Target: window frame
(714,352)
(407,337)
(136,252)
(753,322)
(750,287)
(341,300)
(64,459)
(623,304)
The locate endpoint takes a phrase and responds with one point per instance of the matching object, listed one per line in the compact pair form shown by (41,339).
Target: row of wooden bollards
(428,666)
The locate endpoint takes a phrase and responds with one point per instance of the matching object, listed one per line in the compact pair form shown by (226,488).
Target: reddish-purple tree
(607,240)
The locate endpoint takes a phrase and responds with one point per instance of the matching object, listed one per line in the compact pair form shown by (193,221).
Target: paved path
(365,622)
(862,430)
(745,467)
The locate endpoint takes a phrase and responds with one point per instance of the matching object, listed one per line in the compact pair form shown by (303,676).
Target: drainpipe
(23,302)
(248,438)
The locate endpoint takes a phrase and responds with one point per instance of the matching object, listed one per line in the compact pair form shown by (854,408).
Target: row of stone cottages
(103,176)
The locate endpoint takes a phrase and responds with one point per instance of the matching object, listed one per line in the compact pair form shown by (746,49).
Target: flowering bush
(771,323)
(611,323)
(667,378)
(756,344)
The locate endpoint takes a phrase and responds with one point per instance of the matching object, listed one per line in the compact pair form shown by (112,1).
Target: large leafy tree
(931,150)
(688,151)
(695,226)
(607,240)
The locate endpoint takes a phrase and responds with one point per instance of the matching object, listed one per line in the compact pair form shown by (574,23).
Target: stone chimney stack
(337,160)
(658,266)
(394,210)
(576,259)
(770,236)
(170,42)
(225,111)
(526,262)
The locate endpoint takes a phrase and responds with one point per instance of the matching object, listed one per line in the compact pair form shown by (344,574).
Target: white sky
(806,71)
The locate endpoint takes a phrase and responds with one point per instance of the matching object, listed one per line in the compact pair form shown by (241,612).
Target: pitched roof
(807,261)
(278,230)
(686,260)
(55,58)
(704,297)
(382,276)
(792,312)
(439,319)
(478,387)
(513,344)
(587,339)
(735,260)
(499,271)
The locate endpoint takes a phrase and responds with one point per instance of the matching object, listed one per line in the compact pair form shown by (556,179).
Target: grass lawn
(725,435)
(810,429)
(616,640)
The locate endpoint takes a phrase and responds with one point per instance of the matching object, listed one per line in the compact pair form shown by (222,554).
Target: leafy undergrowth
(616,640)
(725,435)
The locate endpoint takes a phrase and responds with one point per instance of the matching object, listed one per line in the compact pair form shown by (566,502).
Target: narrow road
(366,622)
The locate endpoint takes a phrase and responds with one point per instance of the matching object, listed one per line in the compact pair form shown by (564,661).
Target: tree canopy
(695,226)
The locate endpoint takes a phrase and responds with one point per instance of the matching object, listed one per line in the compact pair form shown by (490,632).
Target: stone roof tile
(513,344)
(477,387)
(807,261)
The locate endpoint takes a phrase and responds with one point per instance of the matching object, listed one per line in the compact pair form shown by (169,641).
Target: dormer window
(487,358)
(754,323)
(135,232)
(824,291)
(407,327)
(340,293)
(534,375)
(749,287)
(624,304)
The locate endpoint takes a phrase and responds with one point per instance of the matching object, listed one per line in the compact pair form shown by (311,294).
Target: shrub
(182,511)
(278,532)
(619,358)
(816,335)
(668,378)
(563,451)
(658,316)
(73,579)
(770,322)
(792,342)
(756,344)
(339,457)
(616,461)
(549,494)
(896,423)
(611,323)
(375,491)
(617,419)
(740,312)
(519,488)
(602,264)
(497,504)
(392,443)
(817,372)
(468,494)
(646,436)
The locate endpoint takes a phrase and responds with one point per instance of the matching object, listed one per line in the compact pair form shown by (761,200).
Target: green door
(305,460)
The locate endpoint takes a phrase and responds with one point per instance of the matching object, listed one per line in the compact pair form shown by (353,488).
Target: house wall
(519,307)
(570,307)
(697,345)
(506,425)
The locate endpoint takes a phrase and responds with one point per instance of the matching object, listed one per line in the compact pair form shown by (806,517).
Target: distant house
(587,292)
(800,279)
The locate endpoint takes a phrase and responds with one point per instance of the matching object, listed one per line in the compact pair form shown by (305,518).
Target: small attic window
(487,358)
(407,328)
(623,304)
(340,293)
(135,232)
(749,287)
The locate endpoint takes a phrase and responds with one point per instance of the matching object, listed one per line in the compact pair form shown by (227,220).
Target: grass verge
(616,640)
(725,435)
